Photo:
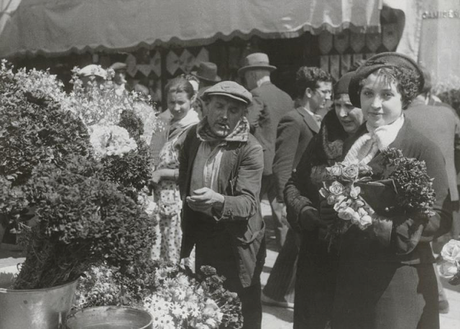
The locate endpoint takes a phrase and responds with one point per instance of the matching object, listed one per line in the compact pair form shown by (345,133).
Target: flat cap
(229,89)
(92,69)
(378,61)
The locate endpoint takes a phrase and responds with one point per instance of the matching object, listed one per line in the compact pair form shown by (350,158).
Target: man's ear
(309,92)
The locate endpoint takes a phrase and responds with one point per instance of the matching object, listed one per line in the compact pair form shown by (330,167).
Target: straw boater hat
(207,71)
(94,70)
(256,61)
(387,59)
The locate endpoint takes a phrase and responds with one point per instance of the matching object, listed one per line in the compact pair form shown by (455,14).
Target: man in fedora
(207,76)
(220,173)
(268,106)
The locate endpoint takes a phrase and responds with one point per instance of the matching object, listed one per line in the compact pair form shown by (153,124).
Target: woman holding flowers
(164,178)
(316,267)
(386,277)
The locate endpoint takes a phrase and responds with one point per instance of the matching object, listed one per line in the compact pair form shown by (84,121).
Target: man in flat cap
(220,174)
(269,105)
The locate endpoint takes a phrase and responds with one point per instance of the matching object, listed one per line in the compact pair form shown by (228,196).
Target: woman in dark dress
(385,276)
(316,267)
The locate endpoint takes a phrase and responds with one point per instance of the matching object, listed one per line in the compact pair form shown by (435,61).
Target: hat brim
(255,67)
(217,78)
(364,71)
(238,98)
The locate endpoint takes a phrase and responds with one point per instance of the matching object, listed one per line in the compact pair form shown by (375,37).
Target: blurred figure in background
(119,78)
(92,75)
(269,104)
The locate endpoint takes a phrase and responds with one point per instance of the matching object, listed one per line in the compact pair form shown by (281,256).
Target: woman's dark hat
(229,89)
(256,61)
(207,71)
(382,60)
(341,87)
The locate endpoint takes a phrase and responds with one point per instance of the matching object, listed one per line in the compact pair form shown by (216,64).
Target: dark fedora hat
(376,62)
(256,61)
(207,71)
(229,89)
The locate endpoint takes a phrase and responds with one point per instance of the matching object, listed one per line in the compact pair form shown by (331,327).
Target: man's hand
(204,199)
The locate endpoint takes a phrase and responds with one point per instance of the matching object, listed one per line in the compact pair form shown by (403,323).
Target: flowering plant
(414,187)
(450,268)
(71,207)
(175,297)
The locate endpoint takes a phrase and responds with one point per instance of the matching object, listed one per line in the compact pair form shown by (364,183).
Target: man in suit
(295,131)
(269,104)
(442,126)
(220,174)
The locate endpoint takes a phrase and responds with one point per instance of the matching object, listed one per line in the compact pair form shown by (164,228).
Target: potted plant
(71,201)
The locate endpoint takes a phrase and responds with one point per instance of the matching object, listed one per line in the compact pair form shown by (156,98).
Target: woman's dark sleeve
(296,193)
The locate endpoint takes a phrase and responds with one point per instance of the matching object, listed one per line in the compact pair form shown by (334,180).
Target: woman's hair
(308,77)
(407,82)
(178,85)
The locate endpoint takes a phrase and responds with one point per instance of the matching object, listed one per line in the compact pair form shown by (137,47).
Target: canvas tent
(57,27)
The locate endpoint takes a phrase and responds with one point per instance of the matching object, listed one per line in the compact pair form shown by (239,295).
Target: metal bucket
(110,317)
(36,308)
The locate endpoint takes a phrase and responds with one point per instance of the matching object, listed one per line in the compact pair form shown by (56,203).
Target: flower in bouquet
(181,301)
(414,187)
(341,192)
(450,267)
(110,140)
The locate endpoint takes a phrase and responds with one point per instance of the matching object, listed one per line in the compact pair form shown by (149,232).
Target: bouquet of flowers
(340,191)
(357,196)
(413,185)
(450,267)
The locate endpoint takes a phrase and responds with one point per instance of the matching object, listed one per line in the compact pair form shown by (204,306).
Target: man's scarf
(239,134)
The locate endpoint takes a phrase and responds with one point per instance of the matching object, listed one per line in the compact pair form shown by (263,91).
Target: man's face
(320,96)
(250,80)
(223,114)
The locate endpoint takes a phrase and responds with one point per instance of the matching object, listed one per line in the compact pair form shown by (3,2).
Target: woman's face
(179,104)
(349,116)
(380,100)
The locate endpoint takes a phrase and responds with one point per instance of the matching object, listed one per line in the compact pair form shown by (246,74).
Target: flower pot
(36,308)
(113,317)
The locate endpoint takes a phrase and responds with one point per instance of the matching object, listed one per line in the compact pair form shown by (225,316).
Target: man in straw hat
(268,106)
(220,173)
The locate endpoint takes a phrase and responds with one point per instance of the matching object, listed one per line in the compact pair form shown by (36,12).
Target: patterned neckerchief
(239,134)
